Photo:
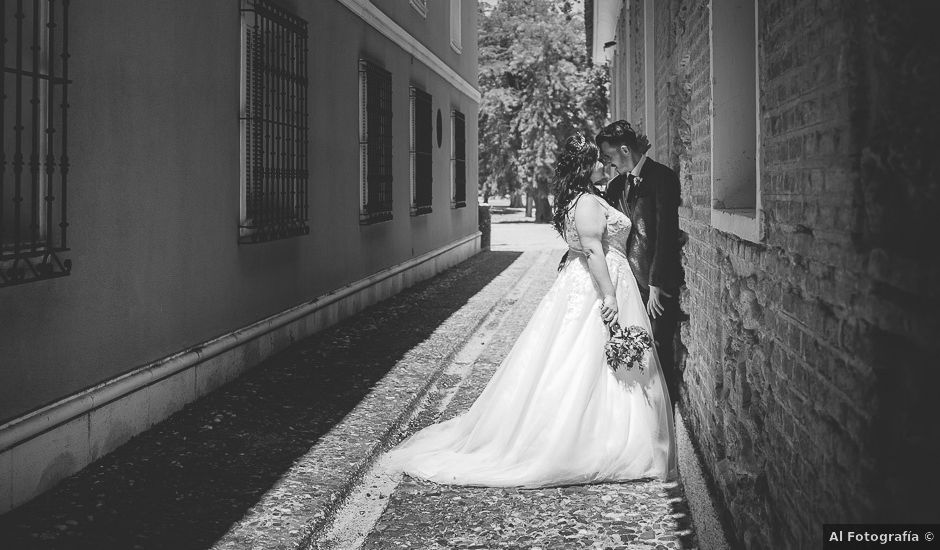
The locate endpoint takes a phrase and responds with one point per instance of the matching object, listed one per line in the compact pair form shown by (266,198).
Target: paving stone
(230,459)
(638,514)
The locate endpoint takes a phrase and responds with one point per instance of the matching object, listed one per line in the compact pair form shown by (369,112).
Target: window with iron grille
(34,162)
(421,179)
(458,160)
(274,163)
(375,143)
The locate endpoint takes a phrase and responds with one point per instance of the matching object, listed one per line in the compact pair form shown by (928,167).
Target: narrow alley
(248,247)
(269,460)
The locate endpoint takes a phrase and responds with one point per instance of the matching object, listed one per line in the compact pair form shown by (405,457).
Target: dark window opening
(375,143)
(421,147)
(460,161)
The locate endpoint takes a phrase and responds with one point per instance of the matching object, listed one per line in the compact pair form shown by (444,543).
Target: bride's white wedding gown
(554,413)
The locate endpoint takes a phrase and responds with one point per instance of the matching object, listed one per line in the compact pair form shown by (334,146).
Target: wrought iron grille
(34,162)
(375,143)
(421,139)
(273,123)
(460,160)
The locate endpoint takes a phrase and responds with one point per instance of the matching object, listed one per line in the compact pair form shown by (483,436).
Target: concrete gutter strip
(301,504)
(708,527)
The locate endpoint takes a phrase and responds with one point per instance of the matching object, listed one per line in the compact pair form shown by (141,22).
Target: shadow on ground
(682,515)
(185,482)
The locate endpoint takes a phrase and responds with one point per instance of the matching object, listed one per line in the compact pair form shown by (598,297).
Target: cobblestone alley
(289,455)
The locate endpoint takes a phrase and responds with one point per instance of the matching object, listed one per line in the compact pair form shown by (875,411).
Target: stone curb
(293,513)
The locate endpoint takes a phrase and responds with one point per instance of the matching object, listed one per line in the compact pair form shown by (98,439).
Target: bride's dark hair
(573,167)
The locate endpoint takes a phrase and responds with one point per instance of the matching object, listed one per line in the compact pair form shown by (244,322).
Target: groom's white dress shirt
(639,167)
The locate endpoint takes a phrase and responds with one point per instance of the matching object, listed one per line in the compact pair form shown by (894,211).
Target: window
(455,41)
(421,178)
(420,6)
(375,143)
(34,162)
(458,160)
(735,129)
(274,170)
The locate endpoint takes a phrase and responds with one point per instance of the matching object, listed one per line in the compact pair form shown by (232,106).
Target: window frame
(273,125)
(36,256)
(421,191)
(375,145)
(456,201)
(744,222)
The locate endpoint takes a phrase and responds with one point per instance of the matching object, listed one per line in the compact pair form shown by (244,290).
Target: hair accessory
(576,143)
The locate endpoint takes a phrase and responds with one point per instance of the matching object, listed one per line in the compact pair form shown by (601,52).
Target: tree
(538,88)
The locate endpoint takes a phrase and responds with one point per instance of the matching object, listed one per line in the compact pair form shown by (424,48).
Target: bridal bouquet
(627,347)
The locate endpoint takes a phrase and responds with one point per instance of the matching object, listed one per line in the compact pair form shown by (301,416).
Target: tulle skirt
(554,413)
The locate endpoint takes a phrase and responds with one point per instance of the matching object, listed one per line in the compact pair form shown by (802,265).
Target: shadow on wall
(185,482)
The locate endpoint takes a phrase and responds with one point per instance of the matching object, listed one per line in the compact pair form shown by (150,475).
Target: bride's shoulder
(591,201)
(587,205)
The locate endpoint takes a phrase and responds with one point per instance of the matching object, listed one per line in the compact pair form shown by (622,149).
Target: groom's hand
(654,305)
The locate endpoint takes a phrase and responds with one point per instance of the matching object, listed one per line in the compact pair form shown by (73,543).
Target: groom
(648,193)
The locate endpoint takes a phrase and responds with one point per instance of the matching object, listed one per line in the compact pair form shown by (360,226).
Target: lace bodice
(615,235)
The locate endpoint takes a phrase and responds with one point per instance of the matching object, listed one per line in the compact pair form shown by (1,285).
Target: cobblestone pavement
(631,515)
(184,483)
(188,481)
(422,515)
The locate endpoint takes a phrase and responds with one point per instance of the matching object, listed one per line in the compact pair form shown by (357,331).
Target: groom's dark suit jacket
(652,205)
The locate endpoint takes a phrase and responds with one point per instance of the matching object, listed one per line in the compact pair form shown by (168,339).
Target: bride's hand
(609,309)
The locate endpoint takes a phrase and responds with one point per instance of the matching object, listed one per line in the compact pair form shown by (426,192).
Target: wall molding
(82,424)
(365,10)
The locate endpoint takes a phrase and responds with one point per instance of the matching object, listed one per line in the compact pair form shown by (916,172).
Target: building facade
(188,187)
(801,132)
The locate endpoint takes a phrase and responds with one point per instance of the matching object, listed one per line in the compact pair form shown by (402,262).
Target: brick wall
(809,357)
(635,54)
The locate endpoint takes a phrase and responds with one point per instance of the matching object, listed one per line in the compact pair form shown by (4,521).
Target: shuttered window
(421,139)
(375,143)
(459,160)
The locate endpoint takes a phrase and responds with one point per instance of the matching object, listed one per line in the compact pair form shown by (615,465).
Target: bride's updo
(574,165)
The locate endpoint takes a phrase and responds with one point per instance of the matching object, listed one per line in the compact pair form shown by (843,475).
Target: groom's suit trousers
(664,331)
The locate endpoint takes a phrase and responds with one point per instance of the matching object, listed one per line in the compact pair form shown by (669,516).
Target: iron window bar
(421,147)
(459,160)
(274,124)
(375,143)
(33,232)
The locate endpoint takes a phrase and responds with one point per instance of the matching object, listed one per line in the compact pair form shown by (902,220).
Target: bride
(554,413)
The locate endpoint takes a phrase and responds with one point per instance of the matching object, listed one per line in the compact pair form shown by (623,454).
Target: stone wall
(808,357)
(635,55)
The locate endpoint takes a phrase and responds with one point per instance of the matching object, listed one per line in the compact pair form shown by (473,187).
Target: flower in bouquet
(627,347)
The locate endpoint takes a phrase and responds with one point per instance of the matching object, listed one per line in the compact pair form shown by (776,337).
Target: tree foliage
(538,88)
